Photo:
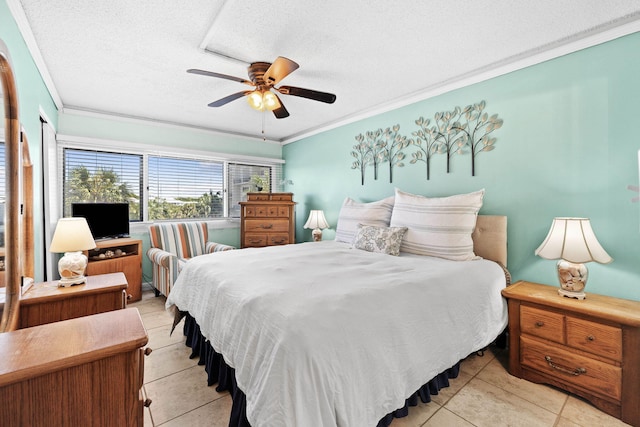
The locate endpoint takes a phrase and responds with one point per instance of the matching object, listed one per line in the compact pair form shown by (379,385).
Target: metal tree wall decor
(475,132)
(459,131)
(380,146)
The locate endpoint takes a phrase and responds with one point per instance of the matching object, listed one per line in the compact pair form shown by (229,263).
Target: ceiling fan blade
(227,99)
(218,75)
(280,112)
(280,69)
(329,98)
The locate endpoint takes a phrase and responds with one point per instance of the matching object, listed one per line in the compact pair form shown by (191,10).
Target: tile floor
(484,394)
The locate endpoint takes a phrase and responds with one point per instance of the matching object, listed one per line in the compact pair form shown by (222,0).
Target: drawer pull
(147,402)
(591,338)
(574,372)
(539,324)
(147,351)
(266,226)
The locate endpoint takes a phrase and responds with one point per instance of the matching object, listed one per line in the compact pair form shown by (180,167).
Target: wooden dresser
(589,347)
(267,219)
(46,302)
(80,372)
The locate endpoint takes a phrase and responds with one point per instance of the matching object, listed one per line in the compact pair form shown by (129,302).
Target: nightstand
(45,302)
(588,347)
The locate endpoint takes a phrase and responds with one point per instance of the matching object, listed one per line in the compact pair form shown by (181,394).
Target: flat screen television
(106,220)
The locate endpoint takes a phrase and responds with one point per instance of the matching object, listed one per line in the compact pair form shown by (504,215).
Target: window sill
(143,227)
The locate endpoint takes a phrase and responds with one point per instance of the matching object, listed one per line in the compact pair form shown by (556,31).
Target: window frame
(145,150)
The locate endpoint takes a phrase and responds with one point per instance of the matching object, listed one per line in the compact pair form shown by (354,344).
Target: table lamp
(572,242)
(72,236)
(317,222)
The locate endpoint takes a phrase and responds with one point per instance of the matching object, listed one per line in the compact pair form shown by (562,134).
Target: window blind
(185,188)
(101,177)
(245,178)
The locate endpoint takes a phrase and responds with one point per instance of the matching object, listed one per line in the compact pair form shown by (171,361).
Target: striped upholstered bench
(172,244)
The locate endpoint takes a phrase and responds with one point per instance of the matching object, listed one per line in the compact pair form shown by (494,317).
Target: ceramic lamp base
(573,279)
(65,283)
(71,268)
(317,235)
(570,294)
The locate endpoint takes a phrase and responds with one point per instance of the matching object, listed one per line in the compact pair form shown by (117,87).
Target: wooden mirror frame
(12,200)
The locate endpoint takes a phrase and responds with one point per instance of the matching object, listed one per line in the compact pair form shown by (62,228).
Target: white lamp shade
(316,220)
(71,235)
(573,240)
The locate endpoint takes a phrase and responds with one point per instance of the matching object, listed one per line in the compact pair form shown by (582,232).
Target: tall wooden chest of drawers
(267,219)
(589,347)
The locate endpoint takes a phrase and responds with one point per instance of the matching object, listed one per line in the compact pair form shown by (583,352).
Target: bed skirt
(218,372)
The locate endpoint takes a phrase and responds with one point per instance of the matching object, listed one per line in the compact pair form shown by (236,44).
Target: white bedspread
(324,335)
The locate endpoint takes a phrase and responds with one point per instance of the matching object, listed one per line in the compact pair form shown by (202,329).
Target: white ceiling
(129,58)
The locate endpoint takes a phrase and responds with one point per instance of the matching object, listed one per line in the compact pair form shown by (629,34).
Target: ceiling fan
(263,77)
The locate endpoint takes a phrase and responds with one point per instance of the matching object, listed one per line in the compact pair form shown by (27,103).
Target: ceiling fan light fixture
(270,100)
(255,100)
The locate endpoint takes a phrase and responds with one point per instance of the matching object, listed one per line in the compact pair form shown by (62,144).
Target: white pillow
(439,226)
(353,213)
(386,240)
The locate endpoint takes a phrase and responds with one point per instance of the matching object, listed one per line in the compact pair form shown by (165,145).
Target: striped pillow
(439,227)
(353,213)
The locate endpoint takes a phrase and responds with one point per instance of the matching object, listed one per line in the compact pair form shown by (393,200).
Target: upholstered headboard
(490,238)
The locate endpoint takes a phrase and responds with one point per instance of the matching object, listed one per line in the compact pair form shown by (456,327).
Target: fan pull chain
(264,138)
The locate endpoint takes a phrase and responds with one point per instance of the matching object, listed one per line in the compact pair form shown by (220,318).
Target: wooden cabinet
(46,302)
(267,219)
(113,255)
(80,372)
(589,347)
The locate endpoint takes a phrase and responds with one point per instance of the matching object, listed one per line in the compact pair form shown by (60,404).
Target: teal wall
(33,96)
(568,147)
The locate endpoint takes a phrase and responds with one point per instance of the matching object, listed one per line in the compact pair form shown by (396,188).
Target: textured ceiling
(129,58)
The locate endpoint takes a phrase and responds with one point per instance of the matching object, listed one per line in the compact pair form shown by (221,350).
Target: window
(185,188)
(102,177)
(184,185)
(244,178)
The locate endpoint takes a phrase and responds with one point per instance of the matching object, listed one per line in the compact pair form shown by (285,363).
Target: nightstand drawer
(599,377)
(595,338)
(543,324)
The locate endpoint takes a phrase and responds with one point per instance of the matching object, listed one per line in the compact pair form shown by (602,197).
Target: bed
(325,334)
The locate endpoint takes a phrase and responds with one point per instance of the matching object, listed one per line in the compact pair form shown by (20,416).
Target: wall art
(459,131)
(378,147)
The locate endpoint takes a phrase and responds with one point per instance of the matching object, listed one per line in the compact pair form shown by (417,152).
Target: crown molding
(161,123)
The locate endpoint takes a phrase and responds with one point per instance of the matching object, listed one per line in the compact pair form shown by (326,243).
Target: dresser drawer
(253,240)
(595,338)
(598,377)
(257,240)
(543,324)
(278,239)
(270,225)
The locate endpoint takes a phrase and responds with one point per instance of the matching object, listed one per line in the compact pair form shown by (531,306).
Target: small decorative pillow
(386,240)
(438,226)
(353,213)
